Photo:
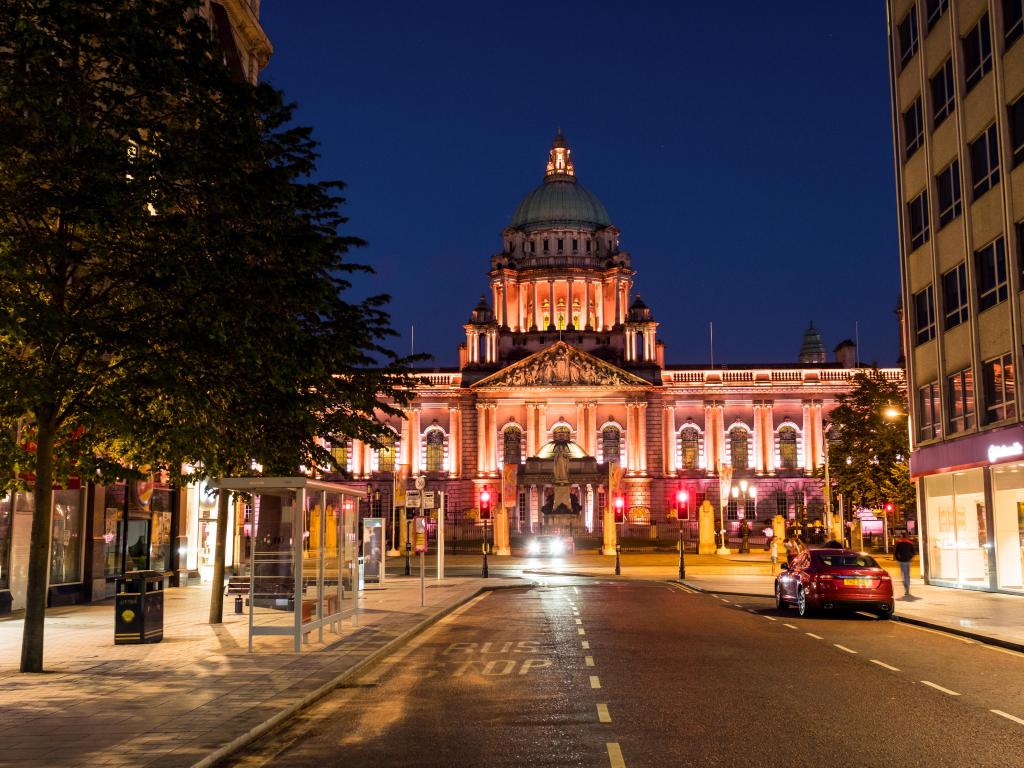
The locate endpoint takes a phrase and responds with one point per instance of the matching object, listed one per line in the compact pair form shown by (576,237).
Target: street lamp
(747,491)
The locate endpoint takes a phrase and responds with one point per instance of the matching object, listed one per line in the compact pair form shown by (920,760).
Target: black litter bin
(139,608)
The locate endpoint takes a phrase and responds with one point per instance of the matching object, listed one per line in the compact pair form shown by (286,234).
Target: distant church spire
(560,167)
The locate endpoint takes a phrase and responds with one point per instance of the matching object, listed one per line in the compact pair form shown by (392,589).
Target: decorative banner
(724,482)
(401,479)
(142,491)
(509,478)
(614,481)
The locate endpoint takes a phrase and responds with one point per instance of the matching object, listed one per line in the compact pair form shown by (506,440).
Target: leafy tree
(868,445)
(171,279)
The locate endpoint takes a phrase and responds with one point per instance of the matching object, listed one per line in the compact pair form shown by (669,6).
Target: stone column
(528,430)
(818,433)
(414,456)
(611,537)
(618,301)
(537,314)
(551,304)
(808,434)
(504,303)
(641,417)
(587,325)
(592,421)
(568,309)
(758,439)
(492,437)
(495,301)
(542,425)
(668,431)
(481,439)
(599,304)
(768,427)
(581,424)
(455,438)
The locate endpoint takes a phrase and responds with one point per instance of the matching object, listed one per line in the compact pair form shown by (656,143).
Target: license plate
(857,582)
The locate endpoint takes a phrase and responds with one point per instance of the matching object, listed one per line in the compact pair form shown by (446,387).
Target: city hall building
(562,357)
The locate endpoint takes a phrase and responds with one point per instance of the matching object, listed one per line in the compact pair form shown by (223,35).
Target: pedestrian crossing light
(682,504)
(485,504)
(620,509)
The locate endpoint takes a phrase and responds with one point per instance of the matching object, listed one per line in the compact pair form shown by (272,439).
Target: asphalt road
(577,672)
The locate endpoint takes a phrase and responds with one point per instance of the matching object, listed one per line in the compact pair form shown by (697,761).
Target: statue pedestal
(611,534)
(706,522)
(779,529)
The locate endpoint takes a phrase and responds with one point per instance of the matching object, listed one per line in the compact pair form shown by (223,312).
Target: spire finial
(560,164)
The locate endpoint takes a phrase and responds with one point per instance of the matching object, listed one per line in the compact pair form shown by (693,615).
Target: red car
(825,579)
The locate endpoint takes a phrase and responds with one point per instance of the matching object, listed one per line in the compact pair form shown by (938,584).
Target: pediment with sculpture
(561,365)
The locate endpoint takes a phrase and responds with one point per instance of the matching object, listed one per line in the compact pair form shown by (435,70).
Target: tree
(171,279)
(869,445)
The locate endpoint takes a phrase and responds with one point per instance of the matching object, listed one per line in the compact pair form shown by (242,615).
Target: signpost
(421,549)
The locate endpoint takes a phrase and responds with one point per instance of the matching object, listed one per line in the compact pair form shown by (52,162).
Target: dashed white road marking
(771,618)
(1007,715)
(579,621)
(589,661)
(890,667)
(816,637)
(723,600)
(595,681)
(581,631)
(938,687)
(615,755)
(844,648)
(585,644)
(751,610)
(713,594)
(602,714)
(791,626)
(965,640)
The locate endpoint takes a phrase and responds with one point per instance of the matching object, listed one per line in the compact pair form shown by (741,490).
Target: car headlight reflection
(533,548)
(557,547)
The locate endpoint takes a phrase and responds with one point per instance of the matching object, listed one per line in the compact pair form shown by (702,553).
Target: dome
(560,202)
(812,350)
(548,450)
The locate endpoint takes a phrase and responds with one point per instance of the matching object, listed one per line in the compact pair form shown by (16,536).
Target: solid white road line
(1008,716)
(595,681)
(791,626)
(586,645)
(1003,650)
(938,687)
(890,667)
(816,637)
(589,661)
(844,648)
(602,714)
(615,755)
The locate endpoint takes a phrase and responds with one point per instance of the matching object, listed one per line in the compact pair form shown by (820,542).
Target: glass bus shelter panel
(349,539)
(321,594)
(1008,518)
(273,563)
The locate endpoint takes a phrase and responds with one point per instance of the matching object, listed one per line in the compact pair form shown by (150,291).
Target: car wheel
(780,602)
(802,606)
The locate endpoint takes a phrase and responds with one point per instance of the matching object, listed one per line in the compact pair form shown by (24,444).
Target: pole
(682,561)
(618,565)
(423,577)
(440,538)
(408,548)
(483,571)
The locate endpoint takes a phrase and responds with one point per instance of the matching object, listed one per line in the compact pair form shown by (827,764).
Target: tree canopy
(173,277)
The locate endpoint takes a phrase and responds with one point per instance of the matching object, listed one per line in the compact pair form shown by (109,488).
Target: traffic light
(682,505)
(620,509)
(485,504)
(888,507)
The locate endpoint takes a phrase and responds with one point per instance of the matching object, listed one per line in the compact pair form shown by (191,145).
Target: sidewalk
(176,702)
(985,616)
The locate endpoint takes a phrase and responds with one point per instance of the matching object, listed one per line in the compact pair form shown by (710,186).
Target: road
(580,672)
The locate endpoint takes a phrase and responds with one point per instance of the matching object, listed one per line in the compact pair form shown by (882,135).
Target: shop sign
(1000,452)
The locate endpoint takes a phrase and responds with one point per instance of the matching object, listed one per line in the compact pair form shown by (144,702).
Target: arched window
(689,448)
(739,449)
(513,445)
(386,453)
(435,451)
(611,440)
(787,448)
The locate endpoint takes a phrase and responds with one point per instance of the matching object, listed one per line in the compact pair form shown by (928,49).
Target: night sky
(743,149)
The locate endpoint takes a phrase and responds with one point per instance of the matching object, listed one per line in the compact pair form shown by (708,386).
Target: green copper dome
(560,202)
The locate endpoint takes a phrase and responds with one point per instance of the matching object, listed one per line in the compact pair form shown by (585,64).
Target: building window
(954,297)
(990,263)
(513,444)
(1016,115)
(732,510)
(948,184)
(913,128)
(559,242)
(533,246)
(997,380)
(739,448)
(545,245)
(611,440)
(917,217)
(924,315)
(977,47)
(933,10)
(781,504)
(985,161)
(435,451)
(928,424)
(1013,20)
(908,37)
(575,245)
(689,448)
(943,96)
(787,448)
(960,389)
(341,452)
(386,453)
(588,245)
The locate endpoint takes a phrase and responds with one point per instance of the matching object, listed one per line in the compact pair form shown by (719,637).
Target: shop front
(971,493)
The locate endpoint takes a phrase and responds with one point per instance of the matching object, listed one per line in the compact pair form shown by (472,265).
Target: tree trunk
(217,591)
(39,553)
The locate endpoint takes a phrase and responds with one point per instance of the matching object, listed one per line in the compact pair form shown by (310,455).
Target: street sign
(427,500)
(421,482)
(420,534)
(412,499)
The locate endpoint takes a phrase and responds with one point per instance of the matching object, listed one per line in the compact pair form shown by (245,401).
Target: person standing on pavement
(904,553)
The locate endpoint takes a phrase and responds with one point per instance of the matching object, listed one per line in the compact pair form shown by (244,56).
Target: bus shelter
(303,551)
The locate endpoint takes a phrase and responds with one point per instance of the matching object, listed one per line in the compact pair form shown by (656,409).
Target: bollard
(682,561)
(238,603)
(483,571)
(618,567)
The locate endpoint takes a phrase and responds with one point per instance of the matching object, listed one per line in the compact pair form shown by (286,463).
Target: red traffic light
(620,506)
(681,498)
(485,496)
(888,506)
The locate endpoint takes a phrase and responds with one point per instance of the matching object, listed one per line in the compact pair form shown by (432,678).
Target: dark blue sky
(743,149)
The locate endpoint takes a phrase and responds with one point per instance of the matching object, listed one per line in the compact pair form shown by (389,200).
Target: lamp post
(620,509)
(747,491)
(682,499)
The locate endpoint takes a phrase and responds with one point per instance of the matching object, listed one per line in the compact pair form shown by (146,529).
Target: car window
(847,560)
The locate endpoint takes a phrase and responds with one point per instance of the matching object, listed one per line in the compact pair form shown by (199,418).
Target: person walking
(904,553)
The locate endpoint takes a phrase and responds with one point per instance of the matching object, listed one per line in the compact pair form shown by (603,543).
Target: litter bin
(139,608)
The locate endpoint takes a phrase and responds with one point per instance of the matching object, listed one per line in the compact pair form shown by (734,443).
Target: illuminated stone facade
(562,349)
